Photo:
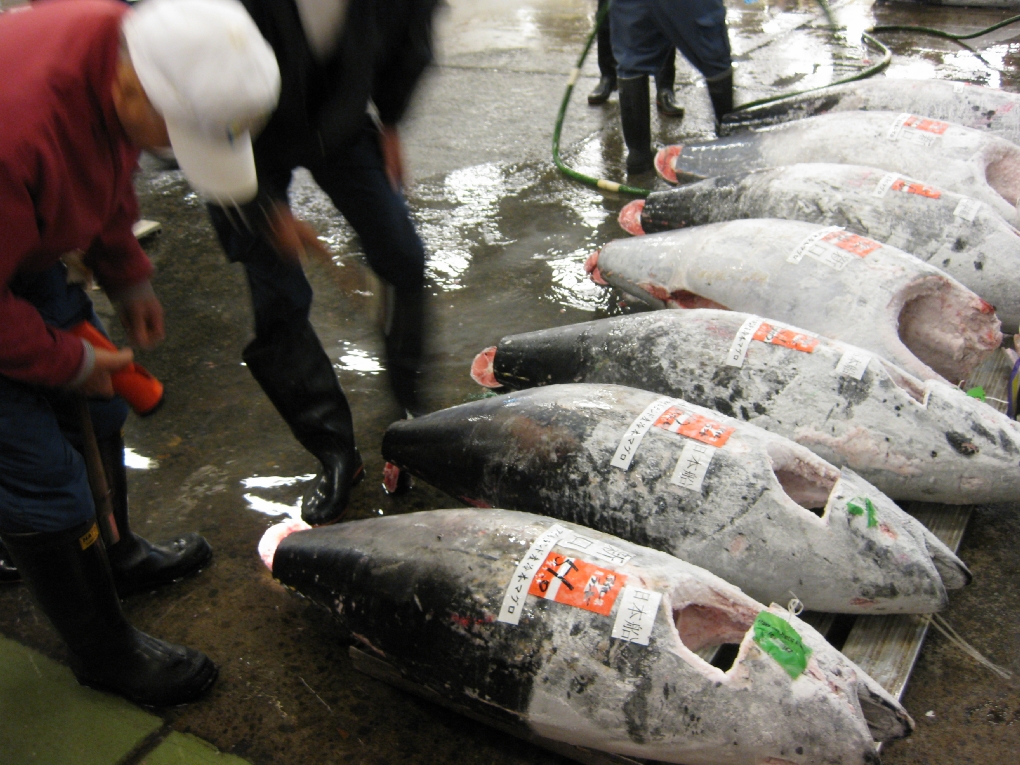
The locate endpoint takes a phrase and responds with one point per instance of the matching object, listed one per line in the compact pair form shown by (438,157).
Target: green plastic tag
(781,641)
(977,392)
(860,505)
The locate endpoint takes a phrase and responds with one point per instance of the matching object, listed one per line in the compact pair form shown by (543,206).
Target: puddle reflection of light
(273,509)
(133,459)
(966,66)
(359,361)
(274,481)
(571,285)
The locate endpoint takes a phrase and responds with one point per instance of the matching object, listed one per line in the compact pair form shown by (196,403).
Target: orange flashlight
(134,383)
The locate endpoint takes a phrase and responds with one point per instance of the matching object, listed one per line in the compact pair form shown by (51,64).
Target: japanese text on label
(577,583)
(853,363)
(741,342)
(595,549)
(967,209)
(693,465)
(916,130)
(635,616)
(834,247)
(676,420)
(788,338)
(894,182)
(632,438)
(517,591)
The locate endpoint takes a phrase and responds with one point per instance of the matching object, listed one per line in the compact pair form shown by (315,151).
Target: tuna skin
(943,154)
(548,451)
(889,427)
(424,592)
(882,299)
(973,106)
(964,238)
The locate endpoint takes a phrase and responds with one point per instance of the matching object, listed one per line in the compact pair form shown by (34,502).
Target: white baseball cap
(212,76)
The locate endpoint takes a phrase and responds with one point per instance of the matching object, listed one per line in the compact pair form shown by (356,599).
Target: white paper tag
(742,341)
(853,363)
(884,184)
(632,438)
(802,249)
(967,209)
(693,465)
(920,131)
(517,591)
(635,616)
(595,549)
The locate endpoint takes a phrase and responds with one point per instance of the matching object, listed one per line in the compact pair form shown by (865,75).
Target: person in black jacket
(336,58)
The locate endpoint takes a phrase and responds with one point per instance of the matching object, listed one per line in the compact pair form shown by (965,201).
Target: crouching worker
(87,84)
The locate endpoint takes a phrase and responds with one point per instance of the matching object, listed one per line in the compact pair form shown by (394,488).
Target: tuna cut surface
(586,639)
(956,234)
(913,440)
(748,505)
(973,106)
(824,279)
(959,159)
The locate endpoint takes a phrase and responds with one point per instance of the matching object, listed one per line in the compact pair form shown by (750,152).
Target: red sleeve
(30,351)
(117,259)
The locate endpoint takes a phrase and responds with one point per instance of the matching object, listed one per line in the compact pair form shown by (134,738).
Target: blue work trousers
(644,32)
(43,482)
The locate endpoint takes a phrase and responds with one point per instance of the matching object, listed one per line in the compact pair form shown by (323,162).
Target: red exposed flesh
(591,267)
(630,217)
(681,298)
(481,368)
(665,163)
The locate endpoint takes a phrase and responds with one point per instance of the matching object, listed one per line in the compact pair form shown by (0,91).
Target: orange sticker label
(912,187)
(853,243)
(787,338)
(577,583)
(927,125)
(676,420)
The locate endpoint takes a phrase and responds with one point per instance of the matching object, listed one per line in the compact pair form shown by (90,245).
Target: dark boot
(69,575)
(665,98)
(139,565)
(607,66)
(404,329)
(8,571)
(298,377)
(720,90)
(636,122)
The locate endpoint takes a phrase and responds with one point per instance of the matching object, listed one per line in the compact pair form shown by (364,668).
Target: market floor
(507,235)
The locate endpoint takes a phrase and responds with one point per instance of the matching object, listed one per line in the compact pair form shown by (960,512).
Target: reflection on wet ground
(508,236)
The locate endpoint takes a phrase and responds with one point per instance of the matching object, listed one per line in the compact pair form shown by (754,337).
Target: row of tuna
(644,485)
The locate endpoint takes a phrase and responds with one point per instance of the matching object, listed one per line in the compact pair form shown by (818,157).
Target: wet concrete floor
(508,236)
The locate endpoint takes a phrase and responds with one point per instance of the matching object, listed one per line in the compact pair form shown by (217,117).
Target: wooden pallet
(886,647)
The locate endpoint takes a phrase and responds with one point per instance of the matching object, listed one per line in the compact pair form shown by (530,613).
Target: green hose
(940,33)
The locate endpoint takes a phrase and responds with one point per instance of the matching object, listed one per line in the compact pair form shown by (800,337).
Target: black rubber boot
(8,571)
(139,565)
(636,122)
(665,98)
(298,378)
(404,329)
(69,575)
(607,66)
(720,90)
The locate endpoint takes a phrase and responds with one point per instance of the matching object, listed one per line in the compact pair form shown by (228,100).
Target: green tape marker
(860,505)
(977,392)
(779,640)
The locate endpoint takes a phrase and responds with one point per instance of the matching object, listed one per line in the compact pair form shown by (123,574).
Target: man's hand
(98,384)
(393,156)
(143,320)
(291,237)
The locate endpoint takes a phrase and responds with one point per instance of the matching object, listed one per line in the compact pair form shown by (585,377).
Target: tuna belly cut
(588,639)
(824,279)
(752,507)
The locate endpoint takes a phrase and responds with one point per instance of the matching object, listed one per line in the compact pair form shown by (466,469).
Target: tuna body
(973,106)
(823,279)
(953,157)
(913,440)
(959,235)
(587,639)
(748,505)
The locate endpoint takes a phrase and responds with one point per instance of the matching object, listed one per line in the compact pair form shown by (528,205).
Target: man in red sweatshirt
(86,85)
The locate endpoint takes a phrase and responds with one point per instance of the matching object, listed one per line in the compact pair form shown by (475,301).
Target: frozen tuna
(824,279)
(953,157)
(582,638)
(957,234)
(748,505)
(911,439)
(974,106)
